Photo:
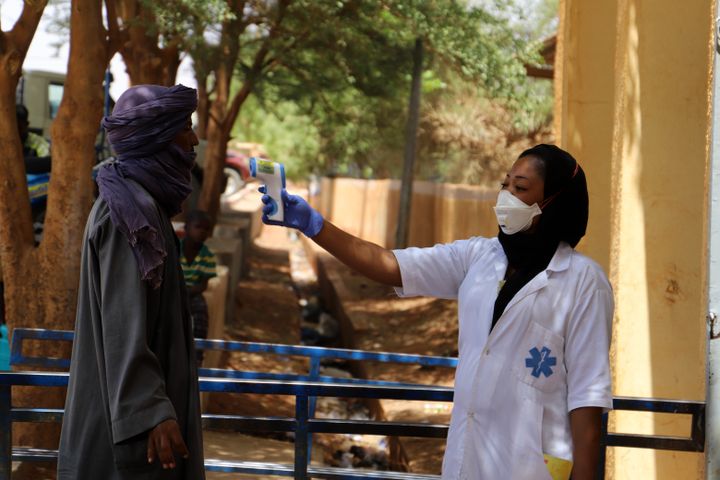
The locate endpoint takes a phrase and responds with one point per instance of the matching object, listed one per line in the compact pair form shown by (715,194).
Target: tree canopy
(340,70)
(344,71)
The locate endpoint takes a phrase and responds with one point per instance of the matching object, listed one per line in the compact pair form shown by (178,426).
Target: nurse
(533,375)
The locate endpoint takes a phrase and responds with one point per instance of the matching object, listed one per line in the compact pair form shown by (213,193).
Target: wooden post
(411,128)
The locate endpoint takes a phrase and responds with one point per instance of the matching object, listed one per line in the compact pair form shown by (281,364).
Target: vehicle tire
(234,181)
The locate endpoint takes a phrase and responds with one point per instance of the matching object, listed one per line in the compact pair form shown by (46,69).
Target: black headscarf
(564,219)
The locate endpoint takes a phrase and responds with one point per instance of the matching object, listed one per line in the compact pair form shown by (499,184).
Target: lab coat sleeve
(134,378)
(436,271)
(587,348)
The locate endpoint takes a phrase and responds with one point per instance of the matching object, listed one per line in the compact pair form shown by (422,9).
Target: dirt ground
(383,322)
(268,311)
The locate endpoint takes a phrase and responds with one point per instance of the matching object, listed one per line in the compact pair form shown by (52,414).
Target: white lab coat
(547,355)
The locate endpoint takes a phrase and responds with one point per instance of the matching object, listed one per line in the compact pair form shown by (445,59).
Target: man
(36,149)
(132,408)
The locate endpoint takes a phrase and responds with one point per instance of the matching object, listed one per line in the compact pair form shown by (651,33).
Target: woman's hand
(371,260)
(297,213)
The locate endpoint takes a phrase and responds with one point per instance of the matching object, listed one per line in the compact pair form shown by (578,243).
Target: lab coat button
(471,414)
(487,352)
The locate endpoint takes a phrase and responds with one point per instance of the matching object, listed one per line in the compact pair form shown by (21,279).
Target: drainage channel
(320,328)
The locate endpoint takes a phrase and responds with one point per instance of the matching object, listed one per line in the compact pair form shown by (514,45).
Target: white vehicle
(41,92)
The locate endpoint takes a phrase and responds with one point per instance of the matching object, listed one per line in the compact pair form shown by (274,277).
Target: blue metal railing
(314,354)
(305,391)
(302,425)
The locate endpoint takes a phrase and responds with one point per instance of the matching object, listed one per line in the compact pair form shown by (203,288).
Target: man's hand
(163,440)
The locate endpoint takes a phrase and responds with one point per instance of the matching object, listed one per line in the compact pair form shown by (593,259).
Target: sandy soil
(268,311)
(384,322)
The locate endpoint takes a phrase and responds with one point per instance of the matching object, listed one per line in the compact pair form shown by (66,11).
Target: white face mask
(514,215)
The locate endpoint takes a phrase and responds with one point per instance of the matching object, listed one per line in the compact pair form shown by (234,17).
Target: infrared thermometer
(272,175)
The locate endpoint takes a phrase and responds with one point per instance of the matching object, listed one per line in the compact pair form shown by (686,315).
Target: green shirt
(202,267)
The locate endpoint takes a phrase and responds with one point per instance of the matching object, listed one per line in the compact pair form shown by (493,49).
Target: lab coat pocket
(529,463)
(539,360)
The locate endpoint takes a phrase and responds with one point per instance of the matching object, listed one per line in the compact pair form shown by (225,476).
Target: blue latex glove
(298,213)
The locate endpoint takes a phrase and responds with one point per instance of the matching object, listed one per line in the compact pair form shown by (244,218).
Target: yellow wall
(584,106)
(632,81)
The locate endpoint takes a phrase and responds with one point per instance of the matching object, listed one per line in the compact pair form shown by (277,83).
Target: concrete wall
(215,296)
(632,78)
(439,212)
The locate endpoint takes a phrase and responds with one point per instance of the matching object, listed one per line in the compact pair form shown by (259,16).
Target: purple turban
(145,120)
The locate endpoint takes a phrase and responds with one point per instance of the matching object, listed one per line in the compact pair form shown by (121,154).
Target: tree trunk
(71,189)
(225,108)
(403,226)
(18,255)
(215,154)
(203,109)
(218,132)
(171,64)
(145,61)
(17,251)
(41,282)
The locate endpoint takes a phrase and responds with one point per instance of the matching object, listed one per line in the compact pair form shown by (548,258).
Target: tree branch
(321,94)
(255,70)
(293,44)
(24,29)
(115,35)
(16,235)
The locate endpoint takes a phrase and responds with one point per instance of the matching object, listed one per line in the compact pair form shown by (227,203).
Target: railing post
(301,437)
(5,433)
(697,430)
(603,448)
(314,375)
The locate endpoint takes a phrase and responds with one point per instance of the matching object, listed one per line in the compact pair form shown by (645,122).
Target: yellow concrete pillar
(584,106)
(647,182)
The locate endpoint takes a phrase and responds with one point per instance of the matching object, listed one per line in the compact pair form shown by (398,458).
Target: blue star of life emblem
(540,361)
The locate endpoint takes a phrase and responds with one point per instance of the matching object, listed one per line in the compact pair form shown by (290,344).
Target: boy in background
(198,265)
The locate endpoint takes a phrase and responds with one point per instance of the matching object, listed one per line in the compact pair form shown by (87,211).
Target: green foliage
(345,66)
(289,136)
(332,96)
(367,45)
(177,19)
(467,137)
(186,20)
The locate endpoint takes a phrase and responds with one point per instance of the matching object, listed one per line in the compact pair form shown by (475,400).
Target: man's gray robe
(133,363)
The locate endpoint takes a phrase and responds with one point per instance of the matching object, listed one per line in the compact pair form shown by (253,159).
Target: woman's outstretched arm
(367,258)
